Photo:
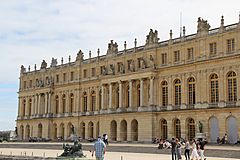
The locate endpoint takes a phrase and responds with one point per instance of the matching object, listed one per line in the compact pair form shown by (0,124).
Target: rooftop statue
(152,37)
(80,55)
(202,26)
(23,69)
(44,64)
(54,62)
(112,47)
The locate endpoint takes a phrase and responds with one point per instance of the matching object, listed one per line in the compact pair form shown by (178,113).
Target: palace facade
(161,89)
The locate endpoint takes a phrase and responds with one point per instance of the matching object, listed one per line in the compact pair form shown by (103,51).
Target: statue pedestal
(202,136)
(73,137)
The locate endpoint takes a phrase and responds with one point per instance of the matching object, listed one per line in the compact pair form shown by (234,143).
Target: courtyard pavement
(20,149)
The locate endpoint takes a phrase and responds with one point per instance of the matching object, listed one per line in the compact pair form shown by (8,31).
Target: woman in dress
(194,151)
(178,149)
(187,150)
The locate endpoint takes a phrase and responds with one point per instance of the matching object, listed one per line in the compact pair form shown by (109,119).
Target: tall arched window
(127,97)
(177,128)
(117,97)
(232,86)
(177,87)
(29,107)
(24,107)
(56,104)
(214,89)
(164,93)
(64,103)
(100,100)
(71,103)
(164,129)
(84,102)
(191,91)
(93,101)
(138,95)
(191,128)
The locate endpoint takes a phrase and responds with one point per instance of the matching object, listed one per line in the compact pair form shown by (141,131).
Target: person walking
(178,149)
(201,147)
(187,150)
(173,149)
(194,150)
(99,148)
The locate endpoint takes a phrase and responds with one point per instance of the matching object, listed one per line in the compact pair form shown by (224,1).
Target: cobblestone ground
(116,151)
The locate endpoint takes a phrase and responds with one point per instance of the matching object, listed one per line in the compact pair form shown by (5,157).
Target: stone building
(161,89)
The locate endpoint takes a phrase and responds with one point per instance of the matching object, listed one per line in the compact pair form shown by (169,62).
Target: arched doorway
(163,129)
(232,129)
(113,133)
(134,130)
(40,130)
(82,130)
(177,128)
(123,130)
(191,128)
(214,129)
(55,131)
(27,132)
(90,130)
(62,130)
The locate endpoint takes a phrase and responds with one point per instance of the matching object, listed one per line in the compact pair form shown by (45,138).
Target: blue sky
(31,31)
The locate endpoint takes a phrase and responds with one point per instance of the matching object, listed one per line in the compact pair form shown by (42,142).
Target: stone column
(19,106)
(49,103)
(89,98)
(141,93)
(118,132)
(36,104)
(120,94)
(46,103)
(151,91)
(97,100)
(110,96)
(170,91)
(103,98)
(76,101)
(67,102)
(183,128)
(39,104)
(26,106)
(198,87)
(130,93)
(184,93)
(221,86)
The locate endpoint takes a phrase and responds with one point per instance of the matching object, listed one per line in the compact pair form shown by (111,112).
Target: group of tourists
(197,148)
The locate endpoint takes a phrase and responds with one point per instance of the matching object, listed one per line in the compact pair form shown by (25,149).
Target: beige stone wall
(129,88)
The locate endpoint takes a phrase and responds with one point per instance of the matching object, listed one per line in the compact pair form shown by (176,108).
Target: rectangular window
(230,45)
(213,48)
(190,53)
(129,64)
(93,72)
(102,69)
(72,76)
(84,73)
(64,77)
(139,62)
(30,84)
(24,85)
(176,56)
(57,78)
(164,58)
